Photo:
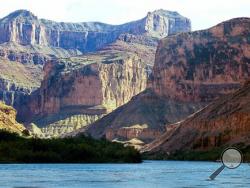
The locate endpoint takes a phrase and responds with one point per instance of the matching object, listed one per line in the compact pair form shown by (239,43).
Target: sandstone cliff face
(108,79)
(203,65)
(25,28)
(8,119)
(89,86)
(162,23)
(224,122)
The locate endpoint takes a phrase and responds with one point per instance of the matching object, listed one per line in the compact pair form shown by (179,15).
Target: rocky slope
(17,80)
(8,119)
(144,117)
(190,70)
(225,122)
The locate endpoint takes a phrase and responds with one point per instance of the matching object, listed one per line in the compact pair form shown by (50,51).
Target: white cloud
(203,13)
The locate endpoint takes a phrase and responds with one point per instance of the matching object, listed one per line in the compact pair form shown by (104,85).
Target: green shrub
(14,148)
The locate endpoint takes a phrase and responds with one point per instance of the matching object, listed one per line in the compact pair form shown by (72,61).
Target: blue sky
(203,13)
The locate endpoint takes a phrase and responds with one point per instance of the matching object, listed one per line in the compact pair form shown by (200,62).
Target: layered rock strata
(225,122)
(203,65)
(24,28)
(90,85)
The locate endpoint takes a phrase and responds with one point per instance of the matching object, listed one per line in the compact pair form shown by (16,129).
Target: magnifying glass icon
(231,158)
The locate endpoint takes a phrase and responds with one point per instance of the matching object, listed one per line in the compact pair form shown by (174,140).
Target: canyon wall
(24,28)
(207,65)
(225,122)
(203,65)
(89,86)
(190,71)
(109,79)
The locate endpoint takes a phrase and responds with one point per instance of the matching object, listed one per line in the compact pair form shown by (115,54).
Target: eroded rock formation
(24,28)
(90,86)
(203,65)
(8,119)
(225,122)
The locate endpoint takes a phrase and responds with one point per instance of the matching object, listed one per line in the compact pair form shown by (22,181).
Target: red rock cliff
(203,65)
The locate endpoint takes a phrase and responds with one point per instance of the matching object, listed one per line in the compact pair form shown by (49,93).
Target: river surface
(148,174)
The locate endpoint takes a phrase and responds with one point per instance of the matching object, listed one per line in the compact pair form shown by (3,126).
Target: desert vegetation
(81,149)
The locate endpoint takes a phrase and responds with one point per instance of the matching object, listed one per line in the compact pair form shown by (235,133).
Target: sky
(203,13)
